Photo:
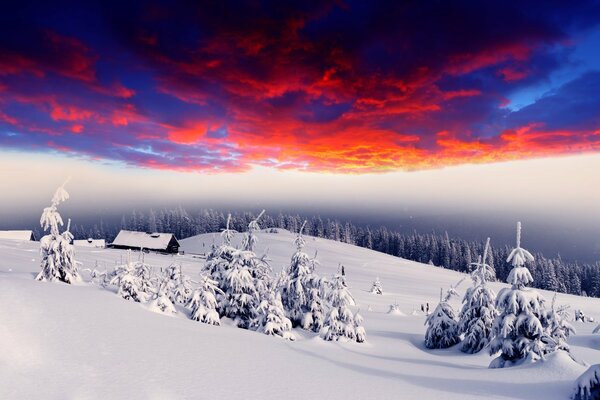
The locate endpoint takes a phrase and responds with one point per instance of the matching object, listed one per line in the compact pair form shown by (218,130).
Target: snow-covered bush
(133,280)
(58,256)
(272,319)
(477,316)
(162,302)
(519,329)
(559,329)
(341,322)
(203,302)
(376,288)
(395,309)
(587,386)
(442,329)
(178,286)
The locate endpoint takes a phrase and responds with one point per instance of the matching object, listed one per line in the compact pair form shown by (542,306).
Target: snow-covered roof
(90,243)
(151,241)
(16,235)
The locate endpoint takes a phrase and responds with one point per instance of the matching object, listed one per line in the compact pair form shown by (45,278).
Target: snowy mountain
(82,341)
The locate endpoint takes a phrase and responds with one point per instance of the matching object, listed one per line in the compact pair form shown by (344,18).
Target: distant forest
(434,248)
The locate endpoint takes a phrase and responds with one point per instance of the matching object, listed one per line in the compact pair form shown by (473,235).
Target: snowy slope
(59,341)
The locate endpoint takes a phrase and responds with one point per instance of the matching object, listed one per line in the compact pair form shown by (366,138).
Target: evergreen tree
(341,322)
(478,313)
(161,301)
(559,328)
(272,319)
(587,386)
(58,256)
(376,288)
(242,298)
(442,329)
(250,238)
(203,302)
(518,331)
(314,317)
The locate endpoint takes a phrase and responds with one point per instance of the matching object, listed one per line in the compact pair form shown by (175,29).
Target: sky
(413,108)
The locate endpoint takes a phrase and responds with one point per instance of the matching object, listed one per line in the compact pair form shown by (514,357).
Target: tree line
(433,248)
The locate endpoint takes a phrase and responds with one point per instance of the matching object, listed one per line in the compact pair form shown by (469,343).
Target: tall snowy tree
(302,290)
(58,256)
(218,263)
(292,282)
(442,329)
(250,238)
(518,330)
(341,322)
(478,313)
(242,298)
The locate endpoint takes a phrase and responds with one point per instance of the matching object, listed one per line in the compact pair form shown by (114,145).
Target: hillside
(84,342)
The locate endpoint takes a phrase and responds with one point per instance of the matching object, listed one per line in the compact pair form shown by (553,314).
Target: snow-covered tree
(478,313)
(178,286)
(341,322)
(161,301)
(203,302)
(518,331)
(376,288)
(58,256)
(442,329)
(218,263)
(272,319)
(250,238)
(240,294)
(314,317)
(559,329)
(292,283)
(133,280)
(587,386)
(302,290)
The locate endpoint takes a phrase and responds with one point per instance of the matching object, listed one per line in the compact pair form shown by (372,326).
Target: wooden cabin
(159,242)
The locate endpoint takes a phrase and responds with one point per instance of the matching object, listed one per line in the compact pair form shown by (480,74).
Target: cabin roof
(146,240)
(16,235)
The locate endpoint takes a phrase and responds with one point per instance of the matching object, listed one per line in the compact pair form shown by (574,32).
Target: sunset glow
(316,88)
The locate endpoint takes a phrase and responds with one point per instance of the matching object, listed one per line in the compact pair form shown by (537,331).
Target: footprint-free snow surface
(61,341)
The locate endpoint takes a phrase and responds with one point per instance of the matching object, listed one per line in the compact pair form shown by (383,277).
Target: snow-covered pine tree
(133,280)
(272,319)
(240,294)
(58,256)
(314,317)
(442,329)
(587,386)
(203,302)
(250,238)
(294,293)
(218,262)
(162,302)
(559,329)
(178,285)
(376,288)
(478,313)
(518,331)
(341,322)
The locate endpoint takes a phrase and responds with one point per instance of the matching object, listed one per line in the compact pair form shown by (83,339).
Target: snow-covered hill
(84,342)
